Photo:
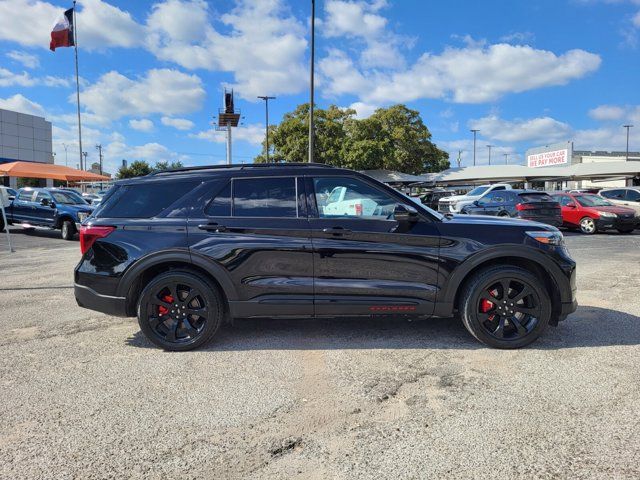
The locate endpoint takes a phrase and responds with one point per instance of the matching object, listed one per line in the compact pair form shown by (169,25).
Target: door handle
(212,227)
(338,231)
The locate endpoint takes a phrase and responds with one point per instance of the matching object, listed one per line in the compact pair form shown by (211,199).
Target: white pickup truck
(455,203)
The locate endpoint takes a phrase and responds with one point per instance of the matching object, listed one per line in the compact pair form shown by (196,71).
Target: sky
(152,73)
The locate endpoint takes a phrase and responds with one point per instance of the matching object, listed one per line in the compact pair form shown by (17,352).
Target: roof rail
(242,166)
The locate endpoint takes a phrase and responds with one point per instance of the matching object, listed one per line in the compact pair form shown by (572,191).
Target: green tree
(138,168)
(165,165)
(393,138)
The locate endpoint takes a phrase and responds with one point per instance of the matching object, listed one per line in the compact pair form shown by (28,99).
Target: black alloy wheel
(179,311)
(505,307)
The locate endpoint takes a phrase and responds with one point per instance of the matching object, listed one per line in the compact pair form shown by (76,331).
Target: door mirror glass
(571,205)
(44,202)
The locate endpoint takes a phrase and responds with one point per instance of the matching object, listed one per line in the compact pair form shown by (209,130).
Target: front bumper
(605,223)
(89,298)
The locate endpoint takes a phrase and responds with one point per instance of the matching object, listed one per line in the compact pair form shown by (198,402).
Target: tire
(588,226)
(67,230)
(626,230)
(481,309)
(158,299)
(504,213)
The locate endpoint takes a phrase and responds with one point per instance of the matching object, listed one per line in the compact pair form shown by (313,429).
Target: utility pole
(266,99)
(506,158)
(84,166)
(99,148)
(475,131)
(313,46)
(66,157)
(489,147)
(459,158)
(627,127)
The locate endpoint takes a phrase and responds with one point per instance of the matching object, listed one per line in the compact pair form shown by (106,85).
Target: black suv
(188,249)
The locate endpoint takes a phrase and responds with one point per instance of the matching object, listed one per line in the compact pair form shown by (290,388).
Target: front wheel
(588,226)
(68,230)
(180,311)
(505,307)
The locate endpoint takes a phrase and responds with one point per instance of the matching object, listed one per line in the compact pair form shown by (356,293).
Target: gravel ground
(84,395)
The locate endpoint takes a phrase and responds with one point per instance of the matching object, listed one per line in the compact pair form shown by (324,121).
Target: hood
(615,209)
(457,198)
(498,221)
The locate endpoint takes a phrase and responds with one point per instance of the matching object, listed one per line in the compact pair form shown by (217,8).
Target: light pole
(489,147)
(475,131)
(506,158)
(266,99)
(313,46)
(627,127)
(66,158)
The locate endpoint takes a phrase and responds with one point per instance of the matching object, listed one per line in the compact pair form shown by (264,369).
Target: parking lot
(85,395)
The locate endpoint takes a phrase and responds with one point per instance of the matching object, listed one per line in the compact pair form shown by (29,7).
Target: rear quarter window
(143,200)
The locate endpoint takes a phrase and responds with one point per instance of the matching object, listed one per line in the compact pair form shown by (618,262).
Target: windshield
(593,201)
(478,191)
(67,198)
(417,201)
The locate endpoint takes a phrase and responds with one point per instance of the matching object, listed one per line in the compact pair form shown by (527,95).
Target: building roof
(390,176)
(522,173)
(47,170)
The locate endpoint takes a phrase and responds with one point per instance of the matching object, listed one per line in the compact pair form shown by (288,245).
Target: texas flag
(62,33)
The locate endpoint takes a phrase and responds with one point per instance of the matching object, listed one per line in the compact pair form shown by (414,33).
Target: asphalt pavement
(85,395)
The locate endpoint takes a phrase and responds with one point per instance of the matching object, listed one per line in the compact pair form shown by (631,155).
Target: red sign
(548,159)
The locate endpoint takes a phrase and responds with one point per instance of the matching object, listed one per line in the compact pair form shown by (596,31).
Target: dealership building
(24,138)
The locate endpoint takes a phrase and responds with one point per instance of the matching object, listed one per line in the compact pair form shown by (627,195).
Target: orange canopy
(48,170)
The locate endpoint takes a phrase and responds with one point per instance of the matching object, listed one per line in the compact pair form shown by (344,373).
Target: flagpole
(75,44)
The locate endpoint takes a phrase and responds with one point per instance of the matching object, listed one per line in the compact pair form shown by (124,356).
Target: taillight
(89,234)
(523,206)
(358,209)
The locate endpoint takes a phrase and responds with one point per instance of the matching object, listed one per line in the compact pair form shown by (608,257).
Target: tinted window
(144,200)
(633,195)
(42,196)
(25,196)
(350,197)
(67,198)
(264,197)
(592,201)
(499,188)
(478,191)
(615,194)
(220,206)
(535,197)
(564,200)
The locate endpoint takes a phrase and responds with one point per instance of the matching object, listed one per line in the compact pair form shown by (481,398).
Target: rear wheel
(68,230)
(505,307)
(588,226)
(180,311)
(504,213)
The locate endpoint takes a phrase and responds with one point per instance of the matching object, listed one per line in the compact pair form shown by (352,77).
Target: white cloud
(363,110)
(264,48)
(27,22)
(177,123)
(636,20)
(607,112)
(142,125)
(19,103)
(518,37)
(159,91)
(253,134)
(8,79)
(542,129)
(28,60)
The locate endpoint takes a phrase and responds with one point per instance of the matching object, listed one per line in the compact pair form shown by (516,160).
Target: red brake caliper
(486,305)
(164,310)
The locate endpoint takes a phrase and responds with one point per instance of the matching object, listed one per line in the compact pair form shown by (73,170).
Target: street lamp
(66,158)
(627,127)
(475,131)
(266,99)
(506,158)
(313,46)
(489,147)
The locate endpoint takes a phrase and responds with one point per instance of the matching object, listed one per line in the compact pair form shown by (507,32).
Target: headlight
(608,214)
(547,238)
(82,216)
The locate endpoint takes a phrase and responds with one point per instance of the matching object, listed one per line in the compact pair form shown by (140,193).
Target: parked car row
(610,209)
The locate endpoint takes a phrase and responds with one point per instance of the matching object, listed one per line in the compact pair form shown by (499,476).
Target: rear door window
(25,196)
(144,200)
(273,197)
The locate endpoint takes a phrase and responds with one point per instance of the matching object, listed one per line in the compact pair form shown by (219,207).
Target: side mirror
(44,202)
(11,198)
(571,205)
(476,203)
(405,214)
(52,204)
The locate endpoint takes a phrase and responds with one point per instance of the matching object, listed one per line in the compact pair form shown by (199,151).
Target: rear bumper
(89,298)
(555,221)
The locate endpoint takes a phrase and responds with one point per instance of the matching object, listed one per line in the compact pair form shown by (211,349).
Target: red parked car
(591,213)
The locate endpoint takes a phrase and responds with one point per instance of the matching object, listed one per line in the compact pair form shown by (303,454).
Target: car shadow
(587,327)
(37,232)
